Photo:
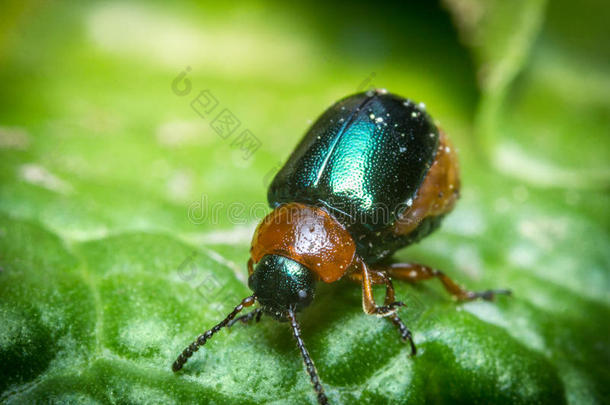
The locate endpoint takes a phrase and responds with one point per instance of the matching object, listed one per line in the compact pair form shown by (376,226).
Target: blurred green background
(108,269)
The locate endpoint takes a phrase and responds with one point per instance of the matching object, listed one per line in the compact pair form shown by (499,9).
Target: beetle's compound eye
(303,294)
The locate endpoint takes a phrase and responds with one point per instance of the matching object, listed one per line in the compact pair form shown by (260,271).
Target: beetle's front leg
(378,277)
(256,315)
(368,301)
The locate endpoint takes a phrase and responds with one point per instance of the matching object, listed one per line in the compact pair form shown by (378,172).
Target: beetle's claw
(489,295)
(413,348)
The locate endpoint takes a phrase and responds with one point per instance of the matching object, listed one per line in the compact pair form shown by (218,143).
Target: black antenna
(311,368)
(201,339)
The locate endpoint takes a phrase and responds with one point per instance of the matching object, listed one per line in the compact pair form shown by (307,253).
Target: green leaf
(125,220)
(543,74)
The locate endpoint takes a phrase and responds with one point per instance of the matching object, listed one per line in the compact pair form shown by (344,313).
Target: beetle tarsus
(405,333)
(388,310)
(487,295)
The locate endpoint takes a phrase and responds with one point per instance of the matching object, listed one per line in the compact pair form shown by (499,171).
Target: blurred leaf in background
(125,217)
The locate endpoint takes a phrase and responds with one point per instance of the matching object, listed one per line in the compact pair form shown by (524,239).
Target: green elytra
(364,160)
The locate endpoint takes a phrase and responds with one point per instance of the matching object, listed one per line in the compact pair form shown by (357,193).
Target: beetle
(372,175)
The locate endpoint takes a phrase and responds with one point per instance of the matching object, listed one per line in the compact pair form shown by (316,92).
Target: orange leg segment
(379,277)
(368,278)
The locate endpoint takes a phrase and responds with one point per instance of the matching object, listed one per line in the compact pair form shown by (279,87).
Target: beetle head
(280,284)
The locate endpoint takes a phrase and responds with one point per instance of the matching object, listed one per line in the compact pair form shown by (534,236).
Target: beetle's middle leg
(414,272)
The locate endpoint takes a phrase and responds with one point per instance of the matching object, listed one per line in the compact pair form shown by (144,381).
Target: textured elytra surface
(364,158)
(103,279)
